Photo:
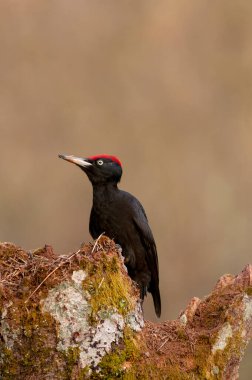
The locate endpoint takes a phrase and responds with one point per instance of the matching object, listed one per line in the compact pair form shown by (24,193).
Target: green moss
(29,326)
(72,357)
(72,370)
(249,291)
(181,333)
(8,366)
(35,325)
(35,342)
(130,351)
(111,365)
(108,288)
(232,350)
(201,355)
(206,362)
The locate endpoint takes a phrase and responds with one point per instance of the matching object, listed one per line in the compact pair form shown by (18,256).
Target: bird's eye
(100,162)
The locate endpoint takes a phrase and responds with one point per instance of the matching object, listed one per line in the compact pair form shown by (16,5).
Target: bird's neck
(104,192)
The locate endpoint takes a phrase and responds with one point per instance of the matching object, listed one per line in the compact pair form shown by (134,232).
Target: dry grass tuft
(25,274)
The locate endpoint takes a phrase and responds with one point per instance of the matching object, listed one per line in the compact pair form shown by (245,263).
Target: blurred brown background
(166,86)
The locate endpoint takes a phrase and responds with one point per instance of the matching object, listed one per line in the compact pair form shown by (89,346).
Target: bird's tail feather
(156,299)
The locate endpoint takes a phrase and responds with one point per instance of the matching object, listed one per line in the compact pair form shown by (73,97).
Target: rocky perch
(79,317)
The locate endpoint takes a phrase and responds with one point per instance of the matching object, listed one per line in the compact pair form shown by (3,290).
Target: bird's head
(100,169)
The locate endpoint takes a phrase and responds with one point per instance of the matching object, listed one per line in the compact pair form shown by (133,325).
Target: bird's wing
(141,223)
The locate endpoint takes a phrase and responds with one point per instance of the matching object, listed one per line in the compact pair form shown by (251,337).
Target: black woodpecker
(121,217)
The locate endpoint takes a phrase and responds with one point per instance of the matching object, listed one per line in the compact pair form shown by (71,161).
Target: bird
(120,216)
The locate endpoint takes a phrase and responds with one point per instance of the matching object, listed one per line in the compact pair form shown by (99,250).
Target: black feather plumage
(121,217)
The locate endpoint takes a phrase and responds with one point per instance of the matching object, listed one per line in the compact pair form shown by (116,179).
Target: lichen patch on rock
(67,304)
(222,339)
(9,335)
(63,316)
(247,307)
(100,340)
(79,316)
(134,319)
(78,276)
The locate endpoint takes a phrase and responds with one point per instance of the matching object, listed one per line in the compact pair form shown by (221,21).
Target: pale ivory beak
(76,160)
